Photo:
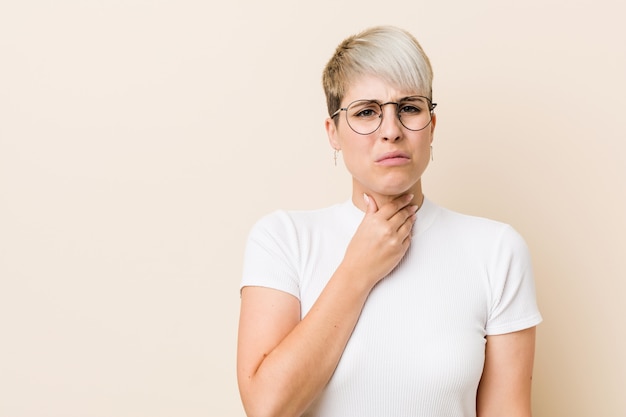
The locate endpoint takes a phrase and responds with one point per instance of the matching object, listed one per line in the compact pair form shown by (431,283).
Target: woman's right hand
(283,362)
(381,240)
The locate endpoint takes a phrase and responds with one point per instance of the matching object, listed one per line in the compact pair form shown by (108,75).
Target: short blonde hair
(383,51)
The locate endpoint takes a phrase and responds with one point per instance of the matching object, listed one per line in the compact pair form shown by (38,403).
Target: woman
(385,305)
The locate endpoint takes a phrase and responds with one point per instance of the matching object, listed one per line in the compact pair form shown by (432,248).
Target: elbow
(258,409)
(260,404)
(265,404)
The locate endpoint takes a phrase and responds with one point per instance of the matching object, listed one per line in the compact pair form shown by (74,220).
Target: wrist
(355,279)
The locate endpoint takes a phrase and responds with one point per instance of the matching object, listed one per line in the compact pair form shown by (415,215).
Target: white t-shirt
(418,347)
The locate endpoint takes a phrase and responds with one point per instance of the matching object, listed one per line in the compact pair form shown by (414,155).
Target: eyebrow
(414,97)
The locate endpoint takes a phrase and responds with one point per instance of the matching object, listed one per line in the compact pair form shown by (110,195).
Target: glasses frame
(431,108)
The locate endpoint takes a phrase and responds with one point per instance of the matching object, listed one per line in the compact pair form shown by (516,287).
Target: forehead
(376,88)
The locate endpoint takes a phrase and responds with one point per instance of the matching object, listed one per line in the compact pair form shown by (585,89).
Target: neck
(382,199)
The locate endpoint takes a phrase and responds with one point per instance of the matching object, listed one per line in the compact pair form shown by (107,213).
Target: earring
(431,153)
(335,156)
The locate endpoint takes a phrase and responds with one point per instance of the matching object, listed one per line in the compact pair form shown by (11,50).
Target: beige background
(139,141)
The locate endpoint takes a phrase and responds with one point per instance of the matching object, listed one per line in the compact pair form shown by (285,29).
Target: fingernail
(366,198)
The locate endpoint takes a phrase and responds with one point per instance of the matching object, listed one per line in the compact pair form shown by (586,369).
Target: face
(391,160)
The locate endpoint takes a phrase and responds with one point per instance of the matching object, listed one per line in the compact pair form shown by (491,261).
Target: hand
(381,239)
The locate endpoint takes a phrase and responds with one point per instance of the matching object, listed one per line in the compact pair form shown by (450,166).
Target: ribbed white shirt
(418,347)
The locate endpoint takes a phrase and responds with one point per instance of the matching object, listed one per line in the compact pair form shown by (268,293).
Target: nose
(390,127)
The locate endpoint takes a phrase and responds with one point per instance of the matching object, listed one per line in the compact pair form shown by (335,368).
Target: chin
(392,190)
(388,185)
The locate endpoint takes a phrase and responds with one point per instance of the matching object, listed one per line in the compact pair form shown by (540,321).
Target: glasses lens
(365,116)
(414,113)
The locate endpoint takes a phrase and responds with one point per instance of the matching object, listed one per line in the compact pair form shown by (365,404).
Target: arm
(505,387)
(283,362)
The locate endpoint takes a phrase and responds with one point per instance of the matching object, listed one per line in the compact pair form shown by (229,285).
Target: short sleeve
(271,255)
(513,299)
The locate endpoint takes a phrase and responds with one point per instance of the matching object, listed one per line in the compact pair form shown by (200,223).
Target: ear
(331,131)
(433,122)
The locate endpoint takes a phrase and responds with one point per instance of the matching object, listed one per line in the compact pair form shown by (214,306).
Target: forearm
(286,362)
(291,376)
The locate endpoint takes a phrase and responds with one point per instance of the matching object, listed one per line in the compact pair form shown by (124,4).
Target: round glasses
(366,116)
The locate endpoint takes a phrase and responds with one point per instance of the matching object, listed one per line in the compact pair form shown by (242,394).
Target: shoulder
(481,231)
(289,222)
(497,243)
(468,221)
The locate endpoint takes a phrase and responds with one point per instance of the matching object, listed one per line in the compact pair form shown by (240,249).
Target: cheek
(352,143)
(355,151)
(421,140)
(356,161)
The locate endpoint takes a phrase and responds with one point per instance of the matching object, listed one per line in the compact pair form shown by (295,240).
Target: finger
(370,203)
(404,215)
(393,207)
(406,228)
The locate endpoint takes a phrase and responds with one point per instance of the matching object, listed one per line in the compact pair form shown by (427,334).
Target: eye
(410,107)
(366,113)
(365,110)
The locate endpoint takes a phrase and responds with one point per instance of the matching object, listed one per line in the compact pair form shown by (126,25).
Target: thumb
(370,204)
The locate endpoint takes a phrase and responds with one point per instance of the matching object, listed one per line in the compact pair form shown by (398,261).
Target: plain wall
(140,140)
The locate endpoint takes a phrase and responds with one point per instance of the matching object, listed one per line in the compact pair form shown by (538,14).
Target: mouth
(393,158)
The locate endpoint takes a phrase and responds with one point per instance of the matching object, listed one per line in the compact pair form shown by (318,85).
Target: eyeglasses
(366,116)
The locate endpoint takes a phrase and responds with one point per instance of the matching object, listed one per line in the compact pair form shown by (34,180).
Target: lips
(390,156)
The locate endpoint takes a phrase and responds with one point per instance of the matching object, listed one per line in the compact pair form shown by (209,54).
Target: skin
(283,363)
(360,152)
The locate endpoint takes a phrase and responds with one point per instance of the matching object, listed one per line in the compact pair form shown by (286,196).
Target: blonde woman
(385,304)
